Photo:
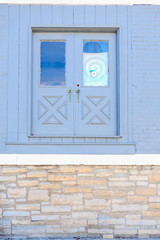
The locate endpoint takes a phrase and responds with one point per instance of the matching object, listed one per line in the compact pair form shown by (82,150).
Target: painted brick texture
(146,72)
(80,201)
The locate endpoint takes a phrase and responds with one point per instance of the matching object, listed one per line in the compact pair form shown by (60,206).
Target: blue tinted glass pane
(52,64)
(95,63)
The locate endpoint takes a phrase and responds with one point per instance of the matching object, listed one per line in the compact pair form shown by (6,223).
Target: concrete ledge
(78,159)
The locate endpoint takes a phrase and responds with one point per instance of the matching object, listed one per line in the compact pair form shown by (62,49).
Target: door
(95,74)
(74,85)
(52,111)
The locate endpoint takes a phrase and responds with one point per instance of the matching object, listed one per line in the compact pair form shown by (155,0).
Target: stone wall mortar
(80,201)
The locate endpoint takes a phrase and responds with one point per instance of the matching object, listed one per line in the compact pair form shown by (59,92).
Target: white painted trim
(68,159)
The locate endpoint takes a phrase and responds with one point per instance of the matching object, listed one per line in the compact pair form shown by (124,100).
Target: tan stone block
(85,169)
(140,222)
(89,175)
(119,200)
(125,232)
(141,183)
(121,171)
(7,178)
(138,178)
(77,207)
(133,216)
(149,231)
(57,230)
(100,230)
(121,184)
(120,178)
(16,192)
(38,195)
(154,205)
(153,185)
(57,178)
(114,221)
(87,181)
(85,215)
(106,193)
(53,186)
(6,202)
(154,199)
(73,222)
(22,176)
(13,170)
(137,199)
(40,174)
(68,169)
(97,204)
(56,209)
(77,190)
(61,199)
(69,183)
(155,178)
(27,183)
(151,213)
(108,236)
(126,208)
(146,191)
(20,222)
(133,172)
(92,221)
(28,206)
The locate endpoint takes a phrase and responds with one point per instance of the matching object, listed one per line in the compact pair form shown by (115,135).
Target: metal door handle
(70,93)
(78,92)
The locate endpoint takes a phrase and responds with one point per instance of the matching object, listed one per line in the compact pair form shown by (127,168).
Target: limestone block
(56,209)
(62,199)
(137,199)
(38,195)
(45,217)
(27,183)
(13,170)
(40,174)
(97,204)
(85,215)
(7,178)
(16,192)
(28,230)
(146,191)
(28,207)
(126,208)
(58,177)
(77,190)
(15,214)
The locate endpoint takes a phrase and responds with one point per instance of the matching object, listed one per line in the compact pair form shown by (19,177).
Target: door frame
(121,81)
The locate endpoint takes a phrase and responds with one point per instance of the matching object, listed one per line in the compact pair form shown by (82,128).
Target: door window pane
(52,63)
(95,63)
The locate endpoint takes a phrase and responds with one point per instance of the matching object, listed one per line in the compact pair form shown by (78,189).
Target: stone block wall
(80,201)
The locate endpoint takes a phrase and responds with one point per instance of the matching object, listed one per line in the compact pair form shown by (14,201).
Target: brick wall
(73,201)
(146,72)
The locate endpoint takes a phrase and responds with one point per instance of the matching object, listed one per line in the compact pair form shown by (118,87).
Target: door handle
(70,93)
(78,92)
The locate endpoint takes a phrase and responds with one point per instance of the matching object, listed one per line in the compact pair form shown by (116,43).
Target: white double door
(58,109)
